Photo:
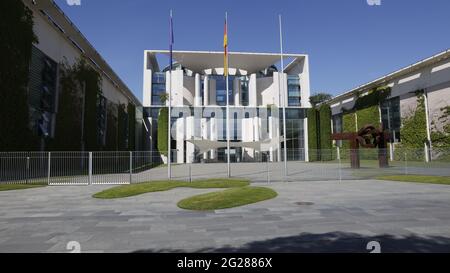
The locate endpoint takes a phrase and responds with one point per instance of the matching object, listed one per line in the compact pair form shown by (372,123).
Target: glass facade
(391,118)
(221,89)
(337,127)
(158,87)
(294,97)
(295,139)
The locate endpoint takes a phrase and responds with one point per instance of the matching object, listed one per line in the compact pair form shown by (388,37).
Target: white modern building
(431,76)
(61,42)
(257,95)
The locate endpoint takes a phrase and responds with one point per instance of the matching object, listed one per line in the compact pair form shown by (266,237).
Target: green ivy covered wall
(162,141)
(319,133)
(16,39)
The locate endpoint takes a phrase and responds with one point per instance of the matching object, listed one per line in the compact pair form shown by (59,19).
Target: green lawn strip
(165,185)
(442,180)
(12,187)
(227,199)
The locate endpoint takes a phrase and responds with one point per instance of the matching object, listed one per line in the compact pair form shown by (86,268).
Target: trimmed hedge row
(162,141)
(319,133)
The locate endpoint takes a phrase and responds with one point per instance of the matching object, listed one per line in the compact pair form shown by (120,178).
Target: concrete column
(306,139)
(198,86)
(252,95)
(206,91)
(237,91)
(190,148)
(213,134)
(180,140)
(204,134)
(212,92)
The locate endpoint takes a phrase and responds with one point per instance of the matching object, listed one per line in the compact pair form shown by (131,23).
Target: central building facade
(257,94)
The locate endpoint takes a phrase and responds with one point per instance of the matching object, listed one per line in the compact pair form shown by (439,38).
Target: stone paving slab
(344,217)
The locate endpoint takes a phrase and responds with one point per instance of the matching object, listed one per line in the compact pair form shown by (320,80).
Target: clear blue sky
(349,42)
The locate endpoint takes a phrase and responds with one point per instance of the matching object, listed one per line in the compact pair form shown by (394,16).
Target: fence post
(406,164)
(48,168)
(90,168)
(391,151)
(28,169)
(427,155)
(340,168)
(190,172)
(131,167)
(338,153)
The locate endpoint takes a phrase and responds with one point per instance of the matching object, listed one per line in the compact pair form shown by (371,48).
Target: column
(147,88)
(252,91)
(237,91)
(198,86)
(206,91)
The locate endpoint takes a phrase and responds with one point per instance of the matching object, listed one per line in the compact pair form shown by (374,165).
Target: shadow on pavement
(335,242)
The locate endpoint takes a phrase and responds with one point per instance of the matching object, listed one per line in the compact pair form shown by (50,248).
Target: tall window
(337,127)
(390,117)
(158,87)
(294,98)
(221,90)
(294,133)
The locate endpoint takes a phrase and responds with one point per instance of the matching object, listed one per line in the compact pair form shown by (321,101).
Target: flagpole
(228,102)
(283,98)
(169,118)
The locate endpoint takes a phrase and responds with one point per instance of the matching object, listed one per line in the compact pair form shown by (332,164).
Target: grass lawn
(12,187)
(443,180)
(227,199)
(165,185)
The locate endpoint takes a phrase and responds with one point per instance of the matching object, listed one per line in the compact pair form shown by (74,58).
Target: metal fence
(90,168)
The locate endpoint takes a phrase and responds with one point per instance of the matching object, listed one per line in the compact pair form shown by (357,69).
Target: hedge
(122,128)
(131,126)
(319,133)
(163,123)
(325,132)
(369,115)
(16,39)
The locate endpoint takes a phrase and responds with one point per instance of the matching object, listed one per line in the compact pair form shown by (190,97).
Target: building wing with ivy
(412,103)
(72,98)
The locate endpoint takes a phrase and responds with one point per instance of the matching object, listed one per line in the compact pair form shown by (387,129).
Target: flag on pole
(225,48)
(172,41)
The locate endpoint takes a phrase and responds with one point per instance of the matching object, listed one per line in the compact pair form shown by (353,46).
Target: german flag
(225,49)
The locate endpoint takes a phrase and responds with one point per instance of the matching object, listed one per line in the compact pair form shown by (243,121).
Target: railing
(124,167)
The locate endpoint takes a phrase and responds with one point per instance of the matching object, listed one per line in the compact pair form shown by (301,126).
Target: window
(391,118)
(337,127)
(158,87)
(221,90)
(294,94)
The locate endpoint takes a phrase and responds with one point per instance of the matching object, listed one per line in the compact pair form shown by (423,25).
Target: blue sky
(349,42)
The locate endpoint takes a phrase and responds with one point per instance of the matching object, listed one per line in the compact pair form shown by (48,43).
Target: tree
(319,98)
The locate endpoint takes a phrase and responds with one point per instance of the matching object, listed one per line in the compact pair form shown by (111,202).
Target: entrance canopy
(201,61)
(264,146)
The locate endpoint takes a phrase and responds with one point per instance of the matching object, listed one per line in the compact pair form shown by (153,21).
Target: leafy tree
(319,98)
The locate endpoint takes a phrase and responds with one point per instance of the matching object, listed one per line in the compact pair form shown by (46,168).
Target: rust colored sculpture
(368,137)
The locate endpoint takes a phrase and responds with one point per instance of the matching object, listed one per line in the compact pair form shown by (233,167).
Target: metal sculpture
(367,137)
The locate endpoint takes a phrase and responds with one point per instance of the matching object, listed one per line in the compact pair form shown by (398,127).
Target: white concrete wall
(57,47)
(177,87)
(188,90)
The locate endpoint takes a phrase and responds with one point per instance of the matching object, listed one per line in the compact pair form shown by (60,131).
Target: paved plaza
(305,217)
